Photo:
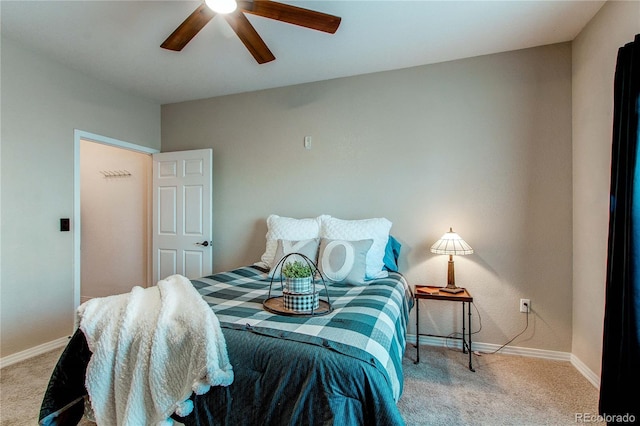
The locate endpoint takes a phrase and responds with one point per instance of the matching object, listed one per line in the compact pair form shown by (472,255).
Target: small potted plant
(298,276)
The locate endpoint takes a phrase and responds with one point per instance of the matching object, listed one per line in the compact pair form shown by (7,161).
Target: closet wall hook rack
(115,173)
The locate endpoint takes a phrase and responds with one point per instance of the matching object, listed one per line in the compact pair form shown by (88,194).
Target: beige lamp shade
(451,243)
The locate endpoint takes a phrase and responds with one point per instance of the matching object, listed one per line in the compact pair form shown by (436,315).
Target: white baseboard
(586,371)
(593,378)
(35,351)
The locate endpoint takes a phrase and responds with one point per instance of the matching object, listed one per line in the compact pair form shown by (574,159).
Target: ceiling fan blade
(250,37)
(293,15)
(189,28)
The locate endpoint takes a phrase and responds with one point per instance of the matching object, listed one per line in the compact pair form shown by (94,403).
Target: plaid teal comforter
(347,371)
(367,322)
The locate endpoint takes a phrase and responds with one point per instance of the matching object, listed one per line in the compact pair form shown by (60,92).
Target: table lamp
(451,243)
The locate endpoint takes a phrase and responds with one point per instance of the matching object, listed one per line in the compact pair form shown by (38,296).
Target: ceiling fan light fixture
(221,6)
(241,25)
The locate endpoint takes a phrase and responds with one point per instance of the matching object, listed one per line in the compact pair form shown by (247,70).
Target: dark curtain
(620,378)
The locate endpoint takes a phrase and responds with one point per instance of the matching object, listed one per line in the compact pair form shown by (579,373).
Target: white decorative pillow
(307,247)
(376,229)
(344,261)
(287,228)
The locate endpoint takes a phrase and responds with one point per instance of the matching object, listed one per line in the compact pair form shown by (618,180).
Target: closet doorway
(113,221)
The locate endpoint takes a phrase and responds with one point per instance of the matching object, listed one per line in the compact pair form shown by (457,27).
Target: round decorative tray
(276,305)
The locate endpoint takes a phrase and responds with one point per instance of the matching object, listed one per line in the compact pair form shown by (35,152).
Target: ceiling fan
(234,13)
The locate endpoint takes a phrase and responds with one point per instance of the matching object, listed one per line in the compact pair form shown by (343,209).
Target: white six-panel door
(182,214)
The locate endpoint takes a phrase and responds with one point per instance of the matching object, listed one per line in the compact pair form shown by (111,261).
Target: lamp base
(452,289)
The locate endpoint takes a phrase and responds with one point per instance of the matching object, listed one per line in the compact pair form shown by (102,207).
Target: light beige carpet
(504,390)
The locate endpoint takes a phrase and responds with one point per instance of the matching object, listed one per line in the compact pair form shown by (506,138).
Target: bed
(343,368)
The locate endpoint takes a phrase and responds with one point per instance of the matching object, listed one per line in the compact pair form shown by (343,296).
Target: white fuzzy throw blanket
(151,349)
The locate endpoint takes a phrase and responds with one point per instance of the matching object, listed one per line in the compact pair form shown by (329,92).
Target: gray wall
(594,60)
(482,145)
(42,103)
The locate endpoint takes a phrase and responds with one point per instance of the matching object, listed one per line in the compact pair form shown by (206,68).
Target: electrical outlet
(525,305)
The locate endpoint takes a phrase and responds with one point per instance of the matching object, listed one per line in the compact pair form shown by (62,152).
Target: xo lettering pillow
(376,229)
(284,247)
(344,261)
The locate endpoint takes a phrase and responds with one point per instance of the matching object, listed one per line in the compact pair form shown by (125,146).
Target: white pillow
(376,229)
(287,228)
(343,261)
(284,247)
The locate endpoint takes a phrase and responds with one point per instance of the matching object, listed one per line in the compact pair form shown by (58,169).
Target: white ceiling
(119,41)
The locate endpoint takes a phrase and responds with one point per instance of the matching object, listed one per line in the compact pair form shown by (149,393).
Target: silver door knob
(205,243)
